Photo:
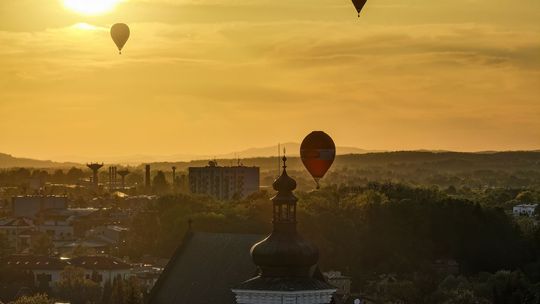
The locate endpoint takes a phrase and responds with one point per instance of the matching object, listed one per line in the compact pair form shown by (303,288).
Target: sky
(216,76)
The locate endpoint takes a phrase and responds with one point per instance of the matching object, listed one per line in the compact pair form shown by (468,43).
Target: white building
(524,210)
(57,230)
(48,270)
(224,183)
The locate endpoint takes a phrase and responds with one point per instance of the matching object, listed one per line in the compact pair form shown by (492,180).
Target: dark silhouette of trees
(159,183)
(42,244)
(74,287)
(35,299)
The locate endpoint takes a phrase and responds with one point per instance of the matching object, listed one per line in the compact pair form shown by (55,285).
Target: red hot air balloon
(318,152)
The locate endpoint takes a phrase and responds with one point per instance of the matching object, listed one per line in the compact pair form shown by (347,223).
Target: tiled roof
(205,268)
(17,222)
(34,262)
(99,262)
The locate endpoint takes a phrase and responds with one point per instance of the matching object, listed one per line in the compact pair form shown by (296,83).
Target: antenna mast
(278,159)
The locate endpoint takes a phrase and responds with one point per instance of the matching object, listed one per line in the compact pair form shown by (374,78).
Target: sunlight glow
(91,7)
(84,26)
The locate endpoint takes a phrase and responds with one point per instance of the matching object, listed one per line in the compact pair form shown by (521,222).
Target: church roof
(205,268)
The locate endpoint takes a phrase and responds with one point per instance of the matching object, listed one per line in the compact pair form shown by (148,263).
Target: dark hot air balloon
(317,152)
(120,35)
(359,4)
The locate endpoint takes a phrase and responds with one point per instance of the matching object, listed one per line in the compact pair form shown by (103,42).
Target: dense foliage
(376,232)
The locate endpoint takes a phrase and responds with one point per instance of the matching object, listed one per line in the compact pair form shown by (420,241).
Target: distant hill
(406,161)
(8,161)
(293,149)
(266,159)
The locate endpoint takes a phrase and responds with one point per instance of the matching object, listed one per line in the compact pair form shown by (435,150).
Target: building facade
(524,210)
(224,183)
(31,205)
(47,271)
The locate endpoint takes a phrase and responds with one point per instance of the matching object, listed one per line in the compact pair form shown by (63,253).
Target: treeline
(442,169)
(383,233)
(24,176)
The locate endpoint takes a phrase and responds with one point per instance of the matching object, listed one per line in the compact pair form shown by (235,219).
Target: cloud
(405,75)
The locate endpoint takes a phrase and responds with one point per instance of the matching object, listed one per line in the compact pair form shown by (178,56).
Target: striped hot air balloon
(318,152)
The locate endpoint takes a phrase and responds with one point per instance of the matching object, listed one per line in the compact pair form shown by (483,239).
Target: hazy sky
(215,76)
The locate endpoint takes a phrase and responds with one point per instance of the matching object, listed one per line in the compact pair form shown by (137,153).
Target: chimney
(174,177)
(147,177)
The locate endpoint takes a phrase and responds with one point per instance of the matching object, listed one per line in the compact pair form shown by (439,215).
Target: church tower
(288,263)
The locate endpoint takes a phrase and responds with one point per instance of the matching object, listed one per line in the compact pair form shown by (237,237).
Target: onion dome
(284,183)
(284,253)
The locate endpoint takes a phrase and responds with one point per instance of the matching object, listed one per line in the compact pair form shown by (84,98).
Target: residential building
(524,210)
(31,205)
(47,270)
(224,183)
(18,231)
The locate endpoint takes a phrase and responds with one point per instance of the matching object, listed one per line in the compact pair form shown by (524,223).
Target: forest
(395,241)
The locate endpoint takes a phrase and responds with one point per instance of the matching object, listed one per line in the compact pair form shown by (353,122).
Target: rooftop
(219,260)
(38,262)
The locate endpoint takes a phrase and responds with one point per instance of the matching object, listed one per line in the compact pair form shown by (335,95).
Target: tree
(42,244)
(159,183)
(74,287)
(118,291)
(74,175)
(59,176)
(4,245)
(107,292)
(134,294)
(35,299)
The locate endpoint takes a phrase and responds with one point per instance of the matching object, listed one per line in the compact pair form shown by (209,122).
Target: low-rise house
(18,232)
(147,275)
(88,245)
(48,270)
(112,234)
(341,282)
(32,205)
(524,210)
(57,230)
(101,269)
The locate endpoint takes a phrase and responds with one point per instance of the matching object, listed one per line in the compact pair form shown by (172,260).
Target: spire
(284,185)
(284,253)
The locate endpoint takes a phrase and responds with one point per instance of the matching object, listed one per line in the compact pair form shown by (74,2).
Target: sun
(91,7)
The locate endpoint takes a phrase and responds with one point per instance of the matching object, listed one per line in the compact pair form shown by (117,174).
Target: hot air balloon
(120,35)
(359,4)
(318,152)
